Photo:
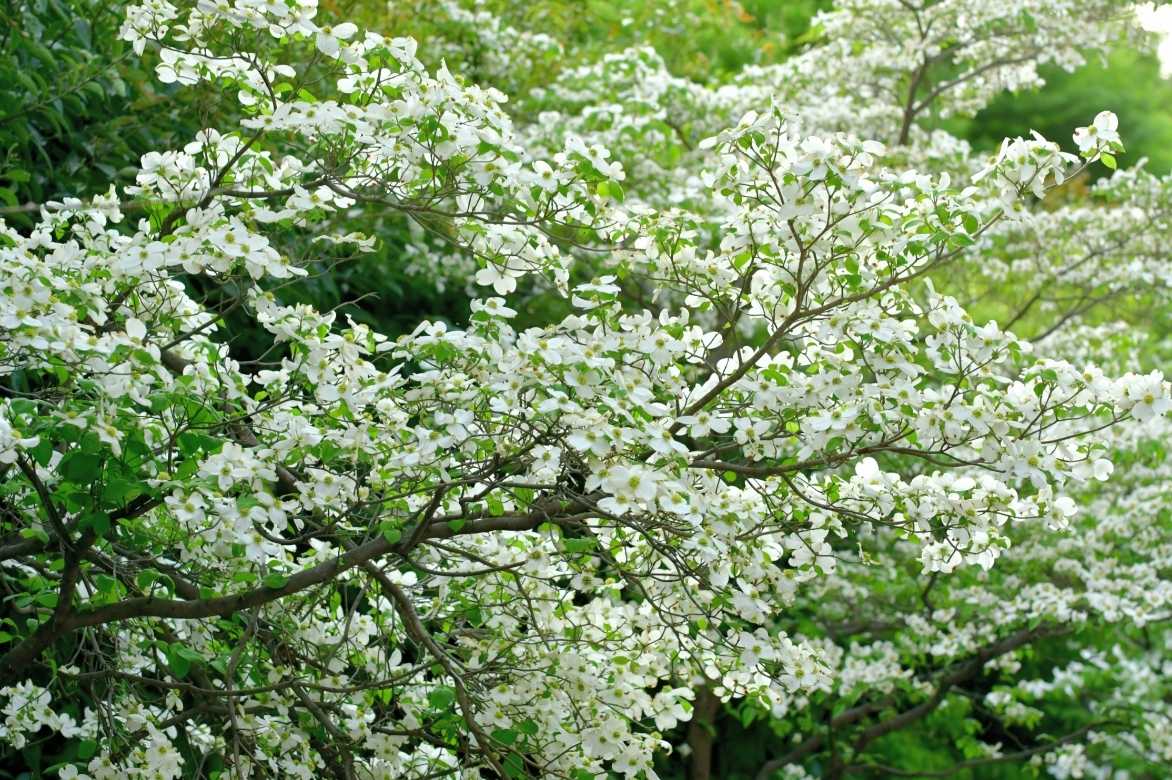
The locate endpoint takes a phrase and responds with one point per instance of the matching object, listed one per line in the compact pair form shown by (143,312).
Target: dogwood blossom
(754,451)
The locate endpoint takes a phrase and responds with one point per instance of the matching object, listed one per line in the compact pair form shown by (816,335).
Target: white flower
(702,423)
(1147,394)
(328,39)
(495,307)
(11,440)
(1103,133)
(503,280)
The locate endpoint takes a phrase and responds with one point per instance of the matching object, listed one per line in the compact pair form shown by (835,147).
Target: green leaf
(442,697)
(180,665)
(43,452)
(505,736)
(390,532)
(514,766)
(80,467)
(107,585)
(35,533)
(474,616)
(145,578)
(611,189)
(1108,160)
(585,544)
(275,581)
(98,521)
(121,491)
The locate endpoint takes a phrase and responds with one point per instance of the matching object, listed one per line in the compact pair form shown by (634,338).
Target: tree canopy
(651,391)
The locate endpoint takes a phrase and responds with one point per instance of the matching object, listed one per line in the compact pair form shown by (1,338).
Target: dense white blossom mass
(505,551)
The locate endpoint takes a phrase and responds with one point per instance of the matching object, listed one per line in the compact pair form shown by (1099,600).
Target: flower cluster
(753,449)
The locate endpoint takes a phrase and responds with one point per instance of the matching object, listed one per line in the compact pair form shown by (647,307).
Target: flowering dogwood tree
(761,458)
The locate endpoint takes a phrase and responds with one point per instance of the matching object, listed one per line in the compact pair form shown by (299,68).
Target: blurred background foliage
(78,109)
(705,40)
(1128,81)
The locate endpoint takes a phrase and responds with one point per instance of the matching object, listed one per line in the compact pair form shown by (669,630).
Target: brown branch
(909,109)
(701,730)
(193,609)
(419,633)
